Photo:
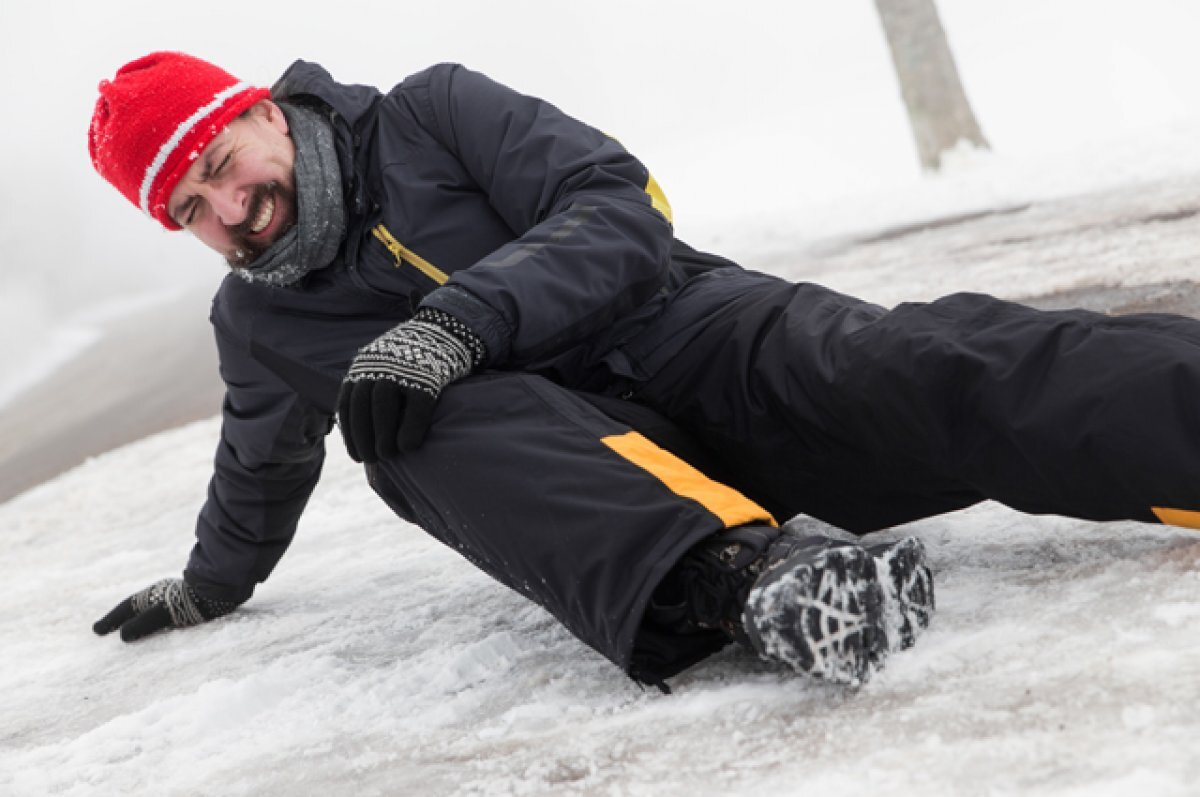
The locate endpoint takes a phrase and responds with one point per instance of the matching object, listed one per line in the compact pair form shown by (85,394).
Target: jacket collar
(305,79)
(353,106)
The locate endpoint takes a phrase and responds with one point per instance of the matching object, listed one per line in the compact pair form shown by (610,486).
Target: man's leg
(638,553)
(868,418)
(566,506)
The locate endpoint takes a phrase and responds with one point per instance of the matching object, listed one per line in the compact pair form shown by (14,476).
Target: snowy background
(1064,659)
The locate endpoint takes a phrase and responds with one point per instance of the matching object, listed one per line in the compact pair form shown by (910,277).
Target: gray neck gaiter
(314,239)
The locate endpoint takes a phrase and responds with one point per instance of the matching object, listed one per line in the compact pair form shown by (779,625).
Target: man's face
(239,196)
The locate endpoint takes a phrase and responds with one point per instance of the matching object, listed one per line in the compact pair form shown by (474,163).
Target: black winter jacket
(544,235)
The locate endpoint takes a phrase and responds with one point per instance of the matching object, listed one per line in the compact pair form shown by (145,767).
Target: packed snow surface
(1063,660)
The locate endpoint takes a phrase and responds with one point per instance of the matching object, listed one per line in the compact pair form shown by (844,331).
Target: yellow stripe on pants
(1177,517)
(733,508)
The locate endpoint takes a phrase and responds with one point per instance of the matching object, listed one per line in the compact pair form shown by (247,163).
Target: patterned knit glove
(386,402)
(170,603)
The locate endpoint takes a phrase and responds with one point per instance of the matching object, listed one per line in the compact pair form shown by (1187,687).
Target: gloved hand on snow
(386,402)
(170,603)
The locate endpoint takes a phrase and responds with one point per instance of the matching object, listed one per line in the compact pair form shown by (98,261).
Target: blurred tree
(938,109)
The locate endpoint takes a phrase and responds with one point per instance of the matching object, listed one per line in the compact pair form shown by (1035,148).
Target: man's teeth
(264,215)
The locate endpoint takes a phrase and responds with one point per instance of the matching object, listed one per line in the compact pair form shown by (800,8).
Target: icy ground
(1064,659)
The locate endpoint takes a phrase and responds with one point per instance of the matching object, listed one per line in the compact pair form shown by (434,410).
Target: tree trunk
(938,109)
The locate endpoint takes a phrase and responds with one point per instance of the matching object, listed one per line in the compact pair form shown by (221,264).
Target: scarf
(314,239)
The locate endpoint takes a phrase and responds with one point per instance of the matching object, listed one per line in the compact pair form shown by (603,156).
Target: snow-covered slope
(1063,660)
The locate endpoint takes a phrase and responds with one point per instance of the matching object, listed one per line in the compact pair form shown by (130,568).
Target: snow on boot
(908,590)
(818,607)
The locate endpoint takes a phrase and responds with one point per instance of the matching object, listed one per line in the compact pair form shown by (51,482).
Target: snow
(1060,661)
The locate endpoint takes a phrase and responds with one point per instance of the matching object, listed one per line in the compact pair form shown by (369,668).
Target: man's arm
(267,463)
(266,466)
(594,234)
(593,242)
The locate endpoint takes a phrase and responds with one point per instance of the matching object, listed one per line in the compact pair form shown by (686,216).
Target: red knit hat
(154,119)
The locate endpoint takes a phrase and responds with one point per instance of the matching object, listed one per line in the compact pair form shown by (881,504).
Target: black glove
(386,402)
(170,603)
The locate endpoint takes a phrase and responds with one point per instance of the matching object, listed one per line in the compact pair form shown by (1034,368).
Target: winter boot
(812,602)
(707,589)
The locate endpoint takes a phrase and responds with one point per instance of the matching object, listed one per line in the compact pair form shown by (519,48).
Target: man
(488,295)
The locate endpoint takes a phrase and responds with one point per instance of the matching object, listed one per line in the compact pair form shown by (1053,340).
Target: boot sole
(823,617)
(907,592)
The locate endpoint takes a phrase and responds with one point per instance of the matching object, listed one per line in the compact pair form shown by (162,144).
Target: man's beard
(245,250)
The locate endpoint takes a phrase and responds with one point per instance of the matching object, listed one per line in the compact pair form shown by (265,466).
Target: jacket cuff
(217,592)
(486,323)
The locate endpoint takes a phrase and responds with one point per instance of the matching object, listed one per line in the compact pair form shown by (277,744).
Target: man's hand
(386,402)
(170,603)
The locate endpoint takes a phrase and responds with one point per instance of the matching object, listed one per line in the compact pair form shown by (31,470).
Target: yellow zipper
(405,255)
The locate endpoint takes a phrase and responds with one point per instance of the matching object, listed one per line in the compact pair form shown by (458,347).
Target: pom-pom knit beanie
(154,119)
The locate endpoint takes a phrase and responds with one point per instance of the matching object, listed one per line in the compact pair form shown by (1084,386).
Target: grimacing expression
(239,196)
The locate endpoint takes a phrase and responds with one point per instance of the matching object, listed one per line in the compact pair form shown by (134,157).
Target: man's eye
(221,166)
(187,213)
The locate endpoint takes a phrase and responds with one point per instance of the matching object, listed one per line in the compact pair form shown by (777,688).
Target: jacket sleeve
(593,233)
(267,463)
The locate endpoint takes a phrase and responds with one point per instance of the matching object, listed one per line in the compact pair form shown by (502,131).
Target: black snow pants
(787,399)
